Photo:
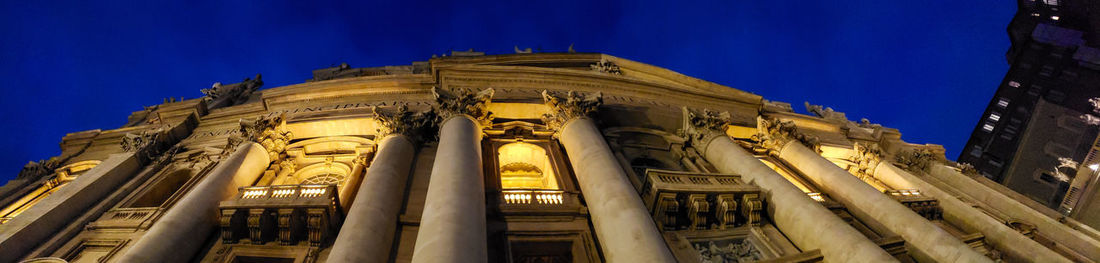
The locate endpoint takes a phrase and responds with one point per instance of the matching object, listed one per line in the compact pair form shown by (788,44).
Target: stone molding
(606,67)
(573,105)
(772,134)
(703,126)
(232,94)
(418,127)
(464,102)
(147,144)
(268,131)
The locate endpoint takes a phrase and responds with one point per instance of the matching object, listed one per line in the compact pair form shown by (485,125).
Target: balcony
(925,206)
(697,201)
(287,213)
(538,201)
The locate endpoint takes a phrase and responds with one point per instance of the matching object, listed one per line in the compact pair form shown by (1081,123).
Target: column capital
(268,131)
(418,127)
(464,102)
(865,158)
(573,105)
(702,127)
(773,134)
(916,160)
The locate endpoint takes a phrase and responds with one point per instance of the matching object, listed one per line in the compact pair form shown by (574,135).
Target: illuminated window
(1014,84)
(1002,102)
(987,127)
(61,177)
(525,166)
(1055,18)
(994,116)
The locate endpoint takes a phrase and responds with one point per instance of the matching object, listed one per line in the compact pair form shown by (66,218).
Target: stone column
(862,199)
(1050,228)
(184,228)
(622,224)
(808,224)
(1018,247)
(452,227)
(368,230)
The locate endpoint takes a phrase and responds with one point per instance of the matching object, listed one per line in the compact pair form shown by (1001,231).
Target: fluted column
(452,227)
(1050,228)
(1017,246)
(927,238)
(368,230)
(622,224)
(808,224)
(180,232)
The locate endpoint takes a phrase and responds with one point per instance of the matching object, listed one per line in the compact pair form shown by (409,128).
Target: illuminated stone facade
(545,157)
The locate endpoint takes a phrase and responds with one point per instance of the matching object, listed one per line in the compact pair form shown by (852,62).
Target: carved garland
(464,102)
(573,105)
(772,134)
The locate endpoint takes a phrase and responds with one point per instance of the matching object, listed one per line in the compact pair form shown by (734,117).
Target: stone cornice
(417,126)
(573,105)
(701,127)
(464,102)
(773,134)
(916,160)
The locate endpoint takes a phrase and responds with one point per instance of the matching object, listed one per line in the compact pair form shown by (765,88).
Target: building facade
(544,157)
(1038,134)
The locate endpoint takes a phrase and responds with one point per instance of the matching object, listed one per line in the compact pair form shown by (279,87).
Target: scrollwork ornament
(146,145)
(573,105)
(464,102)
(270,132)
(866,158)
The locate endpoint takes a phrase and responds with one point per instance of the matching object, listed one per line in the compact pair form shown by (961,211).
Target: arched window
(525,166)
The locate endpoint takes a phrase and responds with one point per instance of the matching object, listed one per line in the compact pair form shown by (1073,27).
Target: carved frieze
(731,251)
(700,127)
(220,95)
(416,126)
(573,105)
(697,201)
(464,102)
(772,134)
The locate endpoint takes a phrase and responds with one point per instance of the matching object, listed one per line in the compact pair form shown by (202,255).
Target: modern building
(1038,136)
(534,157)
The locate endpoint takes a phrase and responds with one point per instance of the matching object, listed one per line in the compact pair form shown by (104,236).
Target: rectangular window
(1014,84)
(1002,102)
(987,127)
(994,117)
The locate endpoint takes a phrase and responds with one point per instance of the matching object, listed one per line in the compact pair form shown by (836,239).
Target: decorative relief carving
(464,102)
(700,127)
(606,67)
(146,145)
(917,160)
(666,211)
(268,131)
(220,95)
(750,208)
(727,211)
(700,201)
(414,125)
(573,105)
(826,112)
(698,209)
(772,134)
(39,169)
(1028,230)
(734,251)
(967,169)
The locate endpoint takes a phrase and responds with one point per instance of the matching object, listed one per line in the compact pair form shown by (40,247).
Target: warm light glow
(525,166)
(1055,18)
(790,177)
(816,197)
(533,197)
(62,176)
(1094,167)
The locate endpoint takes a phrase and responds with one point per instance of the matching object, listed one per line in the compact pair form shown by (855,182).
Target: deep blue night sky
(927,68)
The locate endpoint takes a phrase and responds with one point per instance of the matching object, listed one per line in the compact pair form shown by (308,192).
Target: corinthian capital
(573,105)
(268,131)
(417,126)
(916,160)
(464,102)
(865,158)
(773,134)
(701,127)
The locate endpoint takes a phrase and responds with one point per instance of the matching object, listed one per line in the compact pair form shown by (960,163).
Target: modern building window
(988,127)
(1002,102)
(525,166)
(1014,84)
(994,116)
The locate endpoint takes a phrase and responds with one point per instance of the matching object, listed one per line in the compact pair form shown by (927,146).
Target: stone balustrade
(287,213)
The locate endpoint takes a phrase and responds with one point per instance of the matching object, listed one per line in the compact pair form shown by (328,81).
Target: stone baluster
(622,224)
(180,232)
(368,232)
(806,222)
(928,240)
(1015,245)
(453,227)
